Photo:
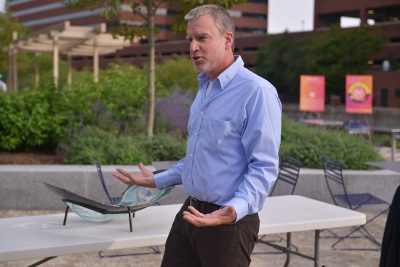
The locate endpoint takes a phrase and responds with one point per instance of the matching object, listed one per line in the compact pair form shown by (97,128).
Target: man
(232,152)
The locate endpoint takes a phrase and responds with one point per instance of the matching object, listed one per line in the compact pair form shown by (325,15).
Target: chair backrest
(285,184)
(358,127)
(335,182)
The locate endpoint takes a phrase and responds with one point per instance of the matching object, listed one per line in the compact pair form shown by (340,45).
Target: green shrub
(122,150)
(46,116)
(308,144)
(30,119)
(176,74)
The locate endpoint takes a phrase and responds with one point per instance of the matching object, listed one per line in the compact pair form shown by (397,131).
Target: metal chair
(358,127)
(354,201)
(285,184)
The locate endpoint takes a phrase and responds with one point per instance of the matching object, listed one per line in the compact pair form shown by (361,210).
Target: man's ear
(228,41)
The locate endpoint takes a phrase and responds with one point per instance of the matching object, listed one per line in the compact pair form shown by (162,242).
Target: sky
(290,15)
(2,5)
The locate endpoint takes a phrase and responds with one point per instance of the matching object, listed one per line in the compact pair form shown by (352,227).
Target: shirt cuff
(241,207)
(162,180)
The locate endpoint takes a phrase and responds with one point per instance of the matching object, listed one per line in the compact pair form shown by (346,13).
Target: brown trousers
(227,245)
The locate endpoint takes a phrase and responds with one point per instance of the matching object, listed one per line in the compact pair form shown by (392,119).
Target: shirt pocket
(214,134)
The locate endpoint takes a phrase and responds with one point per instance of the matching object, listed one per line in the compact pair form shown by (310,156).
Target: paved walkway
(304,240)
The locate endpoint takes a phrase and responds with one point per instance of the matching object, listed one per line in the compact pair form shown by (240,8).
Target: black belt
(194,202)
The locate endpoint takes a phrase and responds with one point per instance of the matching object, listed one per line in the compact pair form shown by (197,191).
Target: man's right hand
(143,178)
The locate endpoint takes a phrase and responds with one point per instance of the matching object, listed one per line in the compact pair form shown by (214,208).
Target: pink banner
(359,94)
(312,93)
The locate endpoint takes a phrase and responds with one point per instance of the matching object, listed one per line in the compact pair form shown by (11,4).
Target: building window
(328,20)
(397,92)
(383,14)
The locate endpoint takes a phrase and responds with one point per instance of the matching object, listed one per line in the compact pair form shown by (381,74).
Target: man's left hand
(222,216)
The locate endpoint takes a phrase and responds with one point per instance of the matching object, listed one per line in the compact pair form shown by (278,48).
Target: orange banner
(312,93)
(359,94)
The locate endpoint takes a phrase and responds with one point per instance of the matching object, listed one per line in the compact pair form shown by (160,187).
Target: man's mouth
(195,58)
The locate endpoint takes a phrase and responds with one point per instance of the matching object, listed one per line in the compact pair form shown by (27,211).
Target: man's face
(209,49)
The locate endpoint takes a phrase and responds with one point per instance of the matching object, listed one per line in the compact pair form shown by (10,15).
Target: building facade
(250,17)
(251,29)
(384,18)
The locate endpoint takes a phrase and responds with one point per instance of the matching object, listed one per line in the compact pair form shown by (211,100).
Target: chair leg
(364,233)
(357,229)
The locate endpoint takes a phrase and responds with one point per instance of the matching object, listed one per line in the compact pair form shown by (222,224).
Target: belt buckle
(192,200)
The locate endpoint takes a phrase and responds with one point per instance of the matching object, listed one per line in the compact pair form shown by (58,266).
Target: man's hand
(143,178)
(222,216)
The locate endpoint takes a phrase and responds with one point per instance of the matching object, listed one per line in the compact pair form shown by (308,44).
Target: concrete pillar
(14,62)
(55,61)
(95,61)
(37,68)
(10,69)
(69,75)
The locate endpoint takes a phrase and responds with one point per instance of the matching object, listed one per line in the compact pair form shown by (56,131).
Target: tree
(281,62)
(339,52)
(146,9)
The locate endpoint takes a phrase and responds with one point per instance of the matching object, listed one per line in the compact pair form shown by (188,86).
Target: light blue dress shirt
(233,144)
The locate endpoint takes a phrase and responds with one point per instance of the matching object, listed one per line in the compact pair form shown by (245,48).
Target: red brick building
(384,15)
(250,17)
(251,27)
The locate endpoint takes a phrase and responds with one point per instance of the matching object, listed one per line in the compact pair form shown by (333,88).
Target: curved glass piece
(139,195)
(135,197)
(91,215)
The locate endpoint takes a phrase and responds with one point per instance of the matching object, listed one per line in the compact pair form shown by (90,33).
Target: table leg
(41,261)
(288,246)
(316,248)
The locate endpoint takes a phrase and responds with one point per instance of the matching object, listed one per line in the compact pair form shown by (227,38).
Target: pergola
(68,40)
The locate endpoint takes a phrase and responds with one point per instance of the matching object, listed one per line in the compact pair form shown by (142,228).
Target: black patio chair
(285,184)
(359,127)
(354,201)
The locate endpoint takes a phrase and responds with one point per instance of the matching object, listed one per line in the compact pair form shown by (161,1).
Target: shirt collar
(226,76)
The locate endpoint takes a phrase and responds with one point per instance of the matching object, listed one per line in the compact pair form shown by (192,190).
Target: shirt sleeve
(261,139)
(171,176)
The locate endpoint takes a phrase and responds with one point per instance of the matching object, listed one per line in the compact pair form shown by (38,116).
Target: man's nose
(194,46)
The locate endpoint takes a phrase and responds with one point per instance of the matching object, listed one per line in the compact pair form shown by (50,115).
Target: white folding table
(45,237)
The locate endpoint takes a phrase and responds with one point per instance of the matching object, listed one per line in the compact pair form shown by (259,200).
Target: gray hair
(223,21)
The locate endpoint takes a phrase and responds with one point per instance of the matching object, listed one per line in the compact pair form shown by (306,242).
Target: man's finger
(195,212)
(123,172)
(122,178)
(144,170)
(197,221)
